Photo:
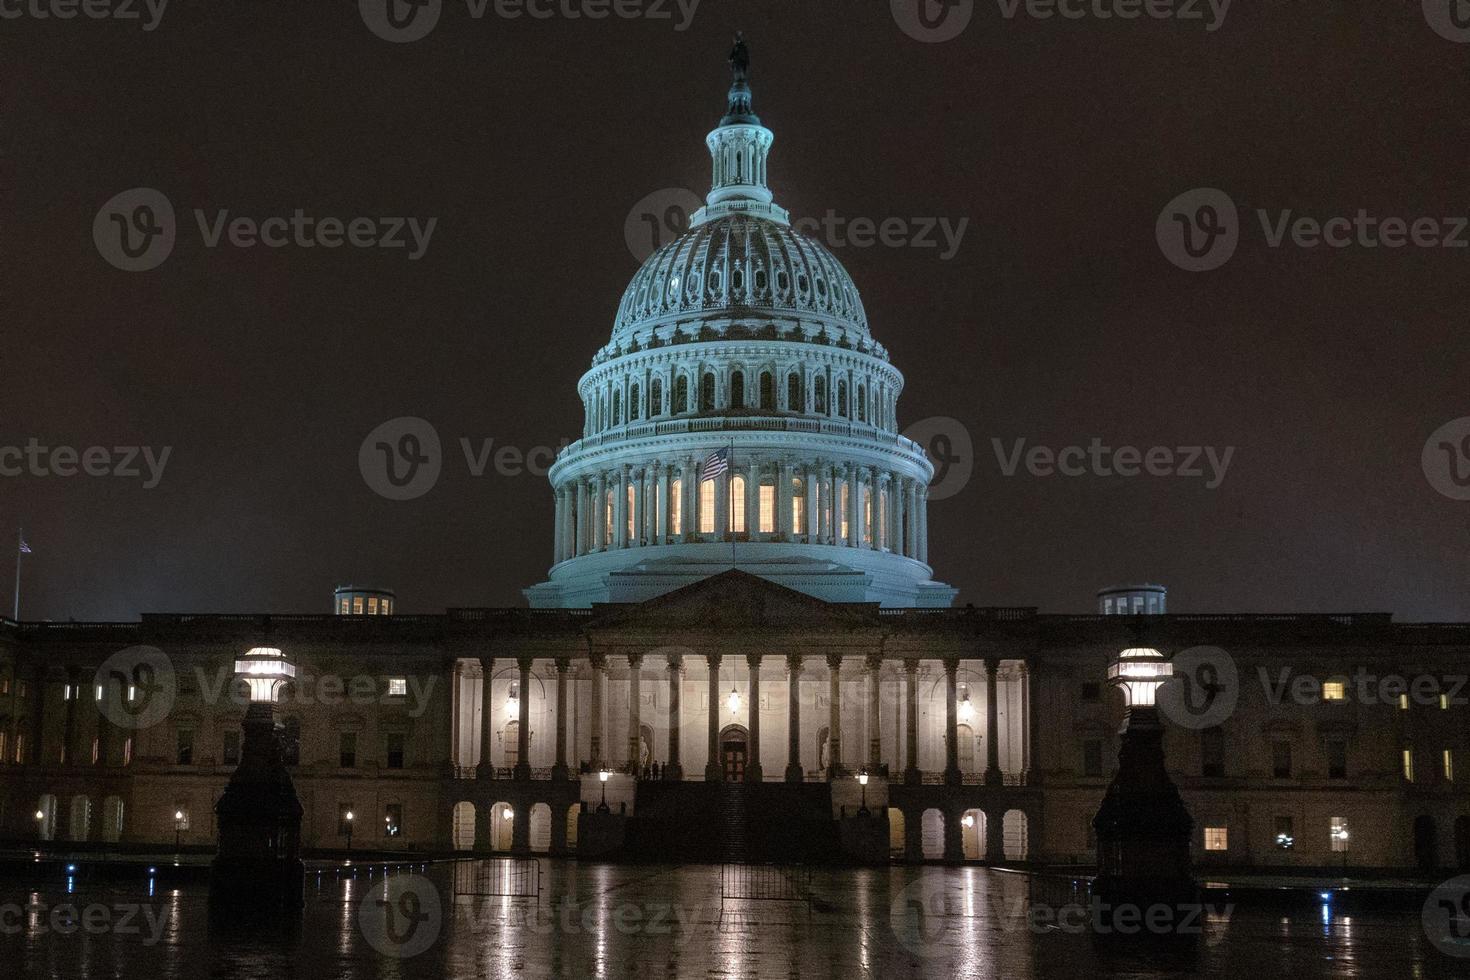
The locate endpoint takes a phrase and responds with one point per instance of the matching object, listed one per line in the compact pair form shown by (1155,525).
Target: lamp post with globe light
(1143,828)
(863,782)
(349,816)
(602,777)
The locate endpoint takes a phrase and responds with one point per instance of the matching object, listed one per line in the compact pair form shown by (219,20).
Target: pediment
(736,599)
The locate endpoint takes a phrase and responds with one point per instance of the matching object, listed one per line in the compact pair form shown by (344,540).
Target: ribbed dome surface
(737,264)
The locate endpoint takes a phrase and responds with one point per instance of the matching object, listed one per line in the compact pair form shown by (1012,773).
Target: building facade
(740,603)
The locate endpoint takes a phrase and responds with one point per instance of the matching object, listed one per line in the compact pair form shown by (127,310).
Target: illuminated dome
(741,416)
(746,267)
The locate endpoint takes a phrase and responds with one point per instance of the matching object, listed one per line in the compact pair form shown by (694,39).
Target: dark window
(1091,692)
(1212,752)
(656,397)
(1092,757)
(681,396)
(232,749)
(635,411)
(819,392)
(862,412)
(794,401)
(1336,759)
(347,750)
(707,393)
(737,390)
(842,399)
(1281,759)
(395,750)
(393,820)
(186,747)
(768,391)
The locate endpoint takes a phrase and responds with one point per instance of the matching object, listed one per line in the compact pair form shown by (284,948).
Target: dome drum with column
(745,338)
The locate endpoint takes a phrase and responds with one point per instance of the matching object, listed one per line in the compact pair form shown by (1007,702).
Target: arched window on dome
(635,410)
(794,400)
(676,508)
(798,507)
(607,518)
(617,409)
(707,393)
(862,399)
(842,399)
(681,395)
(768,392)
(706,506)
(656,398)
(819,393)
(737,390)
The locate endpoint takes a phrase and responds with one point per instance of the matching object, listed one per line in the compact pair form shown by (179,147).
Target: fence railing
(498,877)
(765,883)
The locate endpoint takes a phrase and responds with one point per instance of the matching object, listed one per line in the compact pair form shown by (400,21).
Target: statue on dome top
(740,58)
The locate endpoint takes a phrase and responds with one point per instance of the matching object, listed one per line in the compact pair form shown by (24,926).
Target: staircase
(733,823)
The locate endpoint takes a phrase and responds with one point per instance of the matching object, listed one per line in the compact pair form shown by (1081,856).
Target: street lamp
(863,782)
(40,822)
(349,816)
(1140,672)
(178,828)
(1341,834)
(265,671)
(602,807)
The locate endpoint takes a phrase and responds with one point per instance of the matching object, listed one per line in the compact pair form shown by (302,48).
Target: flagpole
(20,536)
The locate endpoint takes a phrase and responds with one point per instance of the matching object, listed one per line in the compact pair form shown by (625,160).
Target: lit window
(127,750)
(737,505)
(798,508)
(20,747)
(1334,691)
(98,694)
(867,517)
(1403,702)
(372,605)
(676,507)
(345,606)
(385,606)
(397,687)
(632,499)
(768,510)
(357,605)
(707,507)
(1444,702)
(1339,834)
(95,748)
(1448,761)
(842,511)
(1217,838)
(1409,765)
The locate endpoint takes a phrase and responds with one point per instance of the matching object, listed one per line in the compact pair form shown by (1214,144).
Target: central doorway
(734,753)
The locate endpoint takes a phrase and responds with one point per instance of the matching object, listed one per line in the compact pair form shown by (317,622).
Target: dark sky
(530,141)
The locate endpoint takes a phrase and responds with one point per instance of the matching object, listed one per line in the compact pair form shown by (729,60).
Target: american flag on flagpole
(25,548)
(716,465)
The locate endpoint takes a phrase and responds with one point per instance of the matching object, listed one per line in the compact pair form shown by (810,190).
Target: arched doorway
(895,832)
(1426,847)
(541,828)
(502,826)
(972,835)
(1462,843)
(966,746)
(932,835)
(734,752)
(511,739)
(1013,831)
(463,826)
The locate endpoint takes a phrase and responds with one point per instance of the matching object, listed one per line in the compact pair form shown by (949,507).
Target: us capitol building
(740,651)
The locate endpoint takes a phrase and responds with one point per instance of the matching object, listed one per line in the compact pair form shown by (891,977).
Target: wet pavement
(675,922)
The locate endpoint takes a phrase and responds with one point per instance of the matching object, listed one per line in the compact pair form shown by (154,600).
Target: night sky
(1058,320)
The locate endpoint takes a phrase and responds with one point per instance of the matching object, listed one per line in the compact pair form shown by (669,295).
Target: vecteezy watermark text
(1097,459)
(402,458)
(405,21)
(94,919)
(35,459)
(125,10)
(934,21)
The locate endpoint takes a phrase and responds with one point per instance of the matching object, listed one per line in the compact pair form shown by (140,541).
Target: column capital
(794,661)
(951,665)
(598,660)
(714,660)
(525,661)
(834,660)
(911,667)
(563,664)
(992,665)
(635,660)
(753,660)
(487,662)
(873,661)
(676,661)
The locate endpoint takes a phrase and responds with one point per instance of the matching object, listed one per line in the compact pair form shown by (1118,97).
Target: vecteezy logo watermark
(90,9)
(136,231)
(1199,230)
(1097,459)
(1446,459)
(402,459)
(402,21)
(932,21)
(138,687)
(401,916)
(1446,917)
(36,918)
(34,459)
(1449,18)
(1204,690)
(921,917)
(947,443)
(838,231)
(658,219)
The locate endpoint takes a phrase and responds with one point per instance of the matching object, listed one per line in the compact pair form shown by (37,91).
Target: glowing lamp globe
(1140,672)
(863,778)
(733,701)
(265,670)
